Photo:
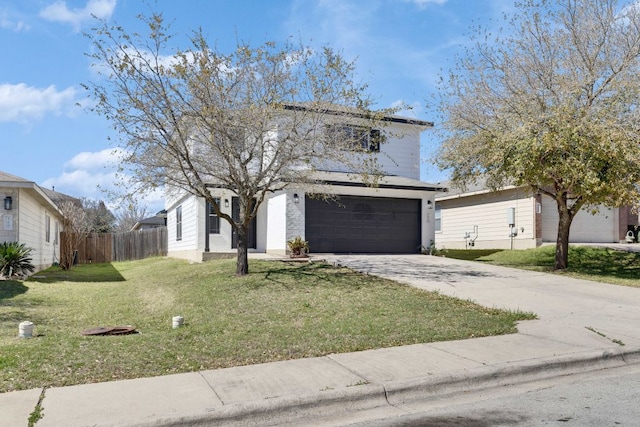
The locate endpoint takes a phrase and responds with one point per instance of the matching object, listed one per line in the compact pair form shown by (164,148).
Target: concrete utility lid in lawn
(110,330)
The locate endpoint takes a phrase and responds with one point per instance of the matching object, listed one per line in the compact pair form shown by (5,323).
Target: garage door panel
(363,224)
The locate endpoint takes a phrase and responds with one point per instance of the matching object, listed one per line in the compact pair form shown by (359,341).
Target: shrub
(298,247)
(15,258)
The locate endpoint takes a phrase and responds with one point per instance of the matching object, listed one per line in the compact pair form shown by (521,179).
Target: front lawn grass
(585,262)
(280,311)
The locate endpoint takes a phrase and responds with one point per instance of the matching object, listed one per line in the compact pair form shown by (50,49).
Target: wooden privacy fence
(127,246)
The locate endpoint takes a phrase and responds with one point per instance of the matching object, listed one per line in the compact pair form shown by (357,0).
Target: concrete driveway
(569,309)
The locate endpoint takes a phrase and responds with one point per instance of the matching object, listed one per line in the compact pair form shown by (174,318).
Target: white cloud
(91,160)
(424,3)
(21,103)
(92,174)
(59,12)
(8,22)
(83,182)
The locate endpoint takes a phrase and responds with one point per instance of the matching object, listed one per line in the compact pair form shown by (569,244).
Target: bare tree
(76,226)
(127,218)
(251,121)
(551,103)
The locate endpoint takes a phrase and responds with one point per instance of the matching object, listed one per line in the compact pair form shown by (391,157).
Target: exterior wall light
(8,202)
(226,203)
(296,198)
(429,204)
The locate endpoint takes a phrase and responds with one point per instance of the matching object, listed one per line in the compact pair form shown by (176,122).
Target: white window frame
(179,223)
(437,217)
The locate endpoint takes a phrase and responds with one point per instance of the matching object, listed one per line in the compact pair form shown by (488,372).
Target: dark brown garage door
(363,225)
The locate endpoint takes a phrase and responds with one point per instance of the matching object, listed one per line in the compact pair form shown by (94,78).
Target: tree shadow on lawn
(13,311)
(104,272)
(308,273)
(10,289)
(604,262)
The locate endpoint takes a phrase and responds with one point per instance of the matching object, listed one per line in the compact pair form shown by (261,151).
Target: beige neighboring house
(513,217)
(30,216)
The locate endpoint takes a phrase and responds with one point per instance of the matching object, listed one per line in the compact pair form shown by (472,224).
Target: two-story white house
(396,216)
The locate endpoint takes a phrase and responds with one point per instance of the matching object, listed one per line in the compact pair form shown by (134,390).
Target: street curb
(283,409)
(289,409)
(509,373)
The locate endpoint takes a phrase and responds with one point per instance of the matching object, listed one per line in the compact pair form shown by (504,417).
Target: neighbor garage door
(363,225)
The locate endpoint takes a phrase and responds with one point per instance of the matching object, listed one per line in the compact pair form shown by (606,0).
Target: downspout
(206,225)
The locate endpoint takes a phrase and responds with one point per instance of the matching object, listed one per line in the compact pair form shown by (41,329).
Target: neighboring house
(513,217)
(397,216)
(30,216)
(156,221)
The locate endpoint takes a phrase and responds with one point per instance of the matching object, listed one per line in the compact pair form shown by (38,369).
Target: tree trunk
(242,263)
(562,242)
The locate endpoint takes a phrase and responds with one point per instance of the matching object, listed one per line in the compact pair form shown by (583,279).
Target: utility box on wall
(511,217)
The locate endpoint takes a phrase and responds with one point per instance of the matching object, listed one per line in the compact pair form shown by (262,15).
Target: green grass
(280,311)
(585,262)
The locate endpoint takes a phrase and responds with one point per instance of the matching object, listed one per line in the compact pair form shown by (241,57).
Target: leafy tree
(550,103)
(99,217)
(251,121)
(15,258)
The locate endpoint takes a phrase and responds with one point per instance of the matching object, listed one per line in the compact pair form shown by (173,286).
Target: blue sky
(48,136)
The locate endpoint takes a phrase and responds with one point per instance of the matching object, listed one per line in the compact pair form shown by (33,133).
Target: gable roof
(471,189)
(13,181)
(152,221)
(59,198)
(7,177)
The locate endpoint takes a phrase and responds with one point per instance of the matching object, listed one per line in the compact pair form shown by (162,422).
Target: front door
(235,214)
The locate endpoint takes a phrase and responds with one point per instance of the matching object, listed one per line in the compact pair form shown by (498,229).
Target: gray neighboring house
(156,221)
(30,216)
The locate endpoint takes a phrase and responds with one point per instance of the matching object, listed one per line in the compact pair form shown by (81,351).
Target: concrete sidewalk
(583,326)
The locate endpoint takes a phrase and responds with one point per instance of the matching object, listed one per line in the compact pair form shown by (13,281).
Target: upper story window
(179,223)
(214,219)
(359,138)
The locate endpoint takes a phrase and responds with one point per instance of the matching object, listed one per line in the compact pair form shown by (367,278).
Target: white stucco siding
(276,223)
(585,228)
(285,219)
(488,212)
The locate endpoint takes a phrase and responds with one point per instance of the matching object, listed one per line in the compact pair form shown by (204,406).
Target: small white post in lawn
(177,321)
(25,329)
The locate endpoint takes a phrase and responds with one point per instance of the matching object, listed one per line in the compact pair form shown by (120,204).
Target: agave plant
(15,258)
(298,247)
